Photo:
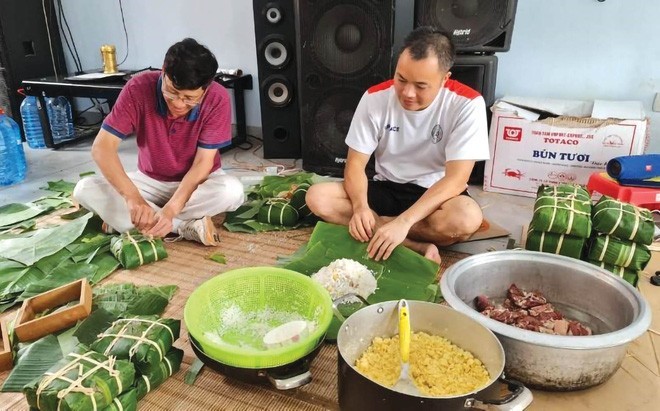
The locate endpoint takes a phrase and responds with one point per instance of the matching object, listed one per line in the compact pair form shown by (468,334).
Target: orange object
(640,196)
(6,356)
(28,328)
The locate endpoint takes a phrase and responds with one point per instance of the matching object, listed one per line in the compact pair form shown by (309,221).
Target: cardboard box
(572,141)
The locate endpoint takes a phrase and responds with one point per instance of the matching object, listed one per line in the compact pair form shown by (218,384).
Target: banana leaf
(100,385)
(33,362)
(244,219)
(60,276)
(28,249)
(406,274)
(562,244)
(630,276)
(622,220)
(124,402)
(143,339)
(60,186)
(14,213)
(132,249)
(98,321)
(563,209)
(126,299)
(150,380)
(617,252)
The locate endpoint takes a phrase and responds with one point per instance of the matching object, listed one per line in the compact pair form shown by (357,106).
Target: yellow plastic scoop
(405,383)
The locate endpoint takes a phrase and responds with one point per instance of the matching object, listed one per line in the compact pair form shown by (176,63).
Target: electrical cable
(50,43)
(123,22)
(74,53)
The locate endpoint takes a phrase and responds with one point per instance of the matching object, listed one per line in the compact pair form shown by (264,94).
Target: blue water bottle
(60,118)
(34,134)
(12,156)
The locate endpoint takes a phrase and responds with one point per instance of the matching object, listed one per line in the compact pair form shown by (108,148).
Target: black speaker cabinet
(275,33)
(25,51)
(476,26)
(480,73)
(345,47)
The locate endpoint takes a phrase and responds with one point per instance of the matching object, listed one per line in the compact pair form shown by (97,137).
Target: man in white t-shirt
(425,131)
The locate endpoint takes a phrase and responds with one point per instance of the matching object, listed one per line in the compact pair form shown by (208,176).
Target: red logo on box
(649,168)
(513,133)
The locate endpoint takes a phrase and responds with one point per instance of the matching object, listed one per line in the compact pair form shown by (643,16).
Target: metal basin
(614,310)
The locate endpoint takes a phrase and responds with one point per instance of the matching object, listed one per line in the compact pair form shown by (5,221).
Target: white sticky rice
(346,276)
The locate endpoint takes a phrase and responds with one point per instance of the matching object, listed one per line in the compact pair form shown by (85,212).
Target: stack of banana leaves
(40,260)
(278,203)
(110,304)
(561,222)
(133,249)
(622,234)
(405,274)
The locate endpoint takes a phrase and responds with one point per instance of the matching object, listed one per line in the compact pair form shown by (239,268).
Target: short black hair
(190,65)
(426,38)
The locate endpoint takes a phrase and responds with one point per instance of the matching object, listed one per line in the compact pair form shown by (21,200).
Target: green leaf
(106,264)
(218,258)
(147,304)
(60,186)
(42,243)
(60,276)
(74,214)
(124,299)
(33,362)
(193,372)
(54,202)
(14,213)
(98,321)
(87,173)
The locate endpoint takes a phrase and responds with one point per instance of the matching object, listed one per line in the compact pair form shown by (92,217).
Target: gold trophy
(109,56)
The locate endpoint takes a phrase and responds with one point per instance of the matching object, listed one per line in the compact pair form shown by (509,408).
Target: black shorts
(391,199)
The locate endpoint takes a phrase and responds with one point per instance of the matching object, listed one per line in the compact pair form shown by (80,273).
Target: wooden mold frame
(29,328)
(6,356)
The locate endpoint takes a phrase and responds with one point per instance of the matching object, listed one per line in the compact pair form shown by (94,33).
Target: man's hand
(386,238)
(362,223)
(142,215)
(163,225)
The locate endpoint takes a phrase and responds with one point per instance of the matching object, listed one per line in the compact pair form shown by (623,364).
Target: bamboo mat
(187,266)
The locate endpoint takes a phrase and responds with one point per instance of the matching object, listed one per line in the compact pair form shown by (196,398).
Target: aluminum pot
(357,392)
(614,310)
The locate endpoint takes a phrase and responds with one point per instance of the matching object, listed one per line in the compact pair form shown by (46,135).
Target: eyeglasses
(188,101)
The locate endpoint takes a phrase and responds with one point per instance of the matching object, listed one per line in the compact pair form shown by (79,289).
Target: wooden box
(6,358)
(28,328)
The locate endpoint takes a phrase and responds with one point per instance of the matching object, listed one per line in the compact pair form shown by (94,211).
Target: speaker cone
(273,13)
(346,39)
(276,51)
(333,115)
(277,91)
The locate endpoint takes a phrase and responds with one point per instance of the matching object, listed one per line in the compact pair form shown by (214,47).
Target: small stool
(640,196)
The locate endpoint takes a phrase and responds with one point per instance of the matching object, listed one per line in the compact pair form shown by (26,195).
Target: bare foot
(432,253)
(428,250)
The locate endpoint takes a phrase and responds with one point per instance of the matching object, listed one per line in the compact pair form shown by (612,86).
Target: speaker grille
(345,41)
(344,48)
(475,25)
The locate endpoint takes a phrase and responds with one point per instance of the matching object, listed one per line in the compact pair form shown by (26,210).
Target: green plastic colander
(225,314)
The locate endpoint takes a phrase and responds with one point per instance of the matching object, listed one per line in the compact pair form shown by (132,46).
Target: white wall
(585,49)
(578,49)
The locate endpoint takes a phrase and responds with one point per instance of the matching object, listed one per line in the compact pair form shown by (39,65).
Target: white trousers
(219,193)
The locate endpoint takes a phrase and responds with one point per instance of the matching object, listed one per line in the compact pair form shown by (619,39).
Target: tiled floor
(510,212)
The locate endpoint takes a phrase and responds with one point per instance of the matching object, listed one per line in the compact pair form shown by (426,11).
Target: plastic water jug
(60,118)
(34,134)
(12,157)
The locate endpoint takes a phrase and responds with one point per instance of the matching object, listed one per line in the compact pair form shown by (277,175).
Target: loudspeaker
(275,34)
(344,47)
(25,49)
(480,73)
(476,26)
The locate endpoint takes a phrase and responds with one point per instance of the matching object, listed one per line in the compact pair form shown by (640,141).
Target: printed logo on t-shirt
(436,134)
(391,128)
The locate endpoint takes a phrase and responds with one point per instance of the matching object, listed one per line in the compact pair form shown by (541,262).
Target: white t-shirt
(413,146)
